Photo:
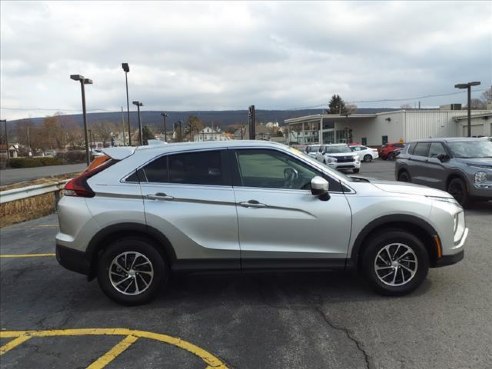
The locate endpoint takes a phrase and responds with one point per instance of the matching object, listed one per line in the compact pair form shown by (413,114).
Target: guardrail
(30,191)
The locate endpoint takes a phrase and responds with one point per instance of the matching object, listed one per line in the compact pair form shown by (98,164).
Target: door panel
(292,224)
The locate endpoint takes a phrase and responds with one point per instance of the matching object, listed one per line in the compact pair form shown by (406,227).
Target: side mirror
(443,158)
(319,187)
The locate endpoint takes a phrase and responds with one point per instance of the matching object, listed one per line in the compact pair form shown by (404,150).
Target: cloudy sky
(229,55)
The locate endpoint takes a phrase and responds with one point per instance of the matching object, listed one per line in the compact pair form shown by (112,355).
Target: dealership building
(395,126)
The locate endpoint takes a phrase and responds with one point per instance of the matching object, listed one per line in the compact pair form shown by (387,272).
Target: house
(210,134)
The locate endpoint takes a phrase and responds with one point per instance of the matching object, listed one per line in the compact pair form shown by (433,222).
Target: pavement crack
(350,335)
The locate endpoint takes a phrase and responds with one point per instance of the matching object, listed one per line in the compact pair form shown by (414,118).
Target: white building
(210,134)
(380,128)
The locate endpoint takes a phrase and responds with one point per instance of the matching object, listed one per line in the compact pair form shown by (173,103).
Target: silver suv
(137,214)
(462,166)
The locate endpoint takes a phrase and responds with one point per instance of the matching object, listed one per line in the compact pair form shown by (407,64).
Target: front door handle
(252,204)
(160,196)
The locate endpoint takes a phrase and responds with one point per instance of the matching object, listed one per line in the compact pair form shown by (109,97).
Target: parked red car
(388,151)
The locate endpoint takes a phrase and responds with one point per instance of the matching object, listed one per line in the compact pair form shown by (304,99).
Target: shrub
(33,162)
(72,157)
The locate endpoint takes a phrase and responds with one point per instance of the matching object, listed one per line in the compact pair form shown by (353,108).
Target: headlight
(480,177)
(329,159)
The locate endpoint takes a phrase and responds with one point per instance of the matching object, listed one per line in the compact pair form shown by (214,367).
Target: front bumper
(450,259)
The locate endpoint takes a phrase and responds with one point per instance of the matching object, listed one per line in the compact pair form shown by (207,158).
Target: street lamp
(84,81)
(126,69)
(139,104)
(468,87)
(164,116)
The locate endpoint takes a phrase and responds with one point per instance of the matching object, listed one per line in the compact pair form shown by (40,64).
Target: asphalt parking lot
(53,318)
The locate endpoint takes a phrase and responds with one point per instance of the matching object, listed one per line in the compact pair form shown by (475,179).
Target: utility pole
(164,116)
(252,122)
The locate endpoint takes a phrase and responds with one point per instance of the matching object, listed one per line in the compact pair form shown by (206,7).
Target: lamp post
(84,81)
(468,87)
(4,121)
(126,69)
(164,116)
(140,133)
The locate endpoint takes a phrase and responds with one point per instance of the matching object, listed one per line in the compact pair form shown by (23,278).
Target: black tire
(457,188)
(131,271)
(395,262)
(356,170)
(391,156)
(367,158)
(404,176)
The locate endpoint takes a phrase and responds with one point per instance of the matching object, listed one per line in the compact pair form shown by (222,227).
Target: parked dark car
(461,166)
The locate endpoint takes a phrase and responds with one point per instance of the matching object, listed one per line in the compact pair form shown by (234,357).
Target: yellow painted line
(13,344)
(25,255)
(113,353)
(212,361)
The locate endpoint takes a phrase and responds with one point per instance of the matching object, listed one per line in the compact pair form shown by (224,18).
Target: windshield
(337,149)
(471,149)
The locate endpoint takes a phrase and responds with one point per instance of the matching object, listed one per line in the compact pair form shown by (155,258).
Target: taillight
(78,186)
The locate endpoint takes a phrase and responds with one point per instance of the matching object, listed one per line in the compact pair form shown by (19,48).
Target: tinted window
(471,149)
(421,149)
(436,149)
(189,168)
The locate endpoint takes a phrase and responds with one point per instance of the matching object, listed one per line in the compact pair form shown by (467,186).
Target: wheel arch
(107,235)
(414,225)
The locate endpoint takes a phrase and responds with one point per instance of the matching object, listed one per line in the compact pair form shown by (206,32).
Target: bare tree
(103,131)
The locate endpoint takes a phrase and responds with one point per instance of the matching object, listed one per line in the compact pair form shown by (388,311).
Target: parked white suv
(138,214)
(339,156)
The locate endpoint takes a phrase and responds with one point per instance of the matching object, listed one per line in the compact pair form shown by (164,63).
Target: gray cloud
(228,55)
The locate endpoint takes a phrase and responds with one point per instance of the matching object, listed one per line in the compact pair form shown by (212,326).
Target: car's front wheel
(131,271)
(395,262)
(457,189)
(356,170)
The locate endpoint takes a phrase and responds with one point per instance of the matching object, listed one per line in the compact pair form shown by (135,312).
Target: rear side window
(421,149)
(188,168)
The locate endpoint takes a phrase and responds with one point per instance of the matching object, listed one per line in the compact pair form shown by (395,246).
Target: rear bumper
(73,260)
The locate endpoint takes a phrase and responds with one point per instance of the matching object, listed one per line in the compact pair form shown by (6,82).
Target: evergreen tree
(337,105)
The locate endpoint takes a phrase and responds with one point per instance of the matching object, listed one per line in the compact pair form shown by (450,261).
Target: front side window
(436,149)
(272,169)
(188,168)
(421,149)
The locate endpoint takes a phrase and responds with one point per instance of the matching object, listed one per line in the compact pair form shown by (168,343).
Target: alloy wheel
(395,264)
(131,273)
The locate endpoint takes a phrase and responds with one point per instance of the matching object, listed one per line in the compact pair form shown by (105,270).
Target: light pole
(468,87)
(4,121)
(84,81)
(126,69)
(164,116)
(140,133)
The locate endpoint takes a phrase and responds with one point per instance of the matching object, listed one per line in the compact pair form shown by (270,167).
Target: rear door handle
(252,204)
(160,196)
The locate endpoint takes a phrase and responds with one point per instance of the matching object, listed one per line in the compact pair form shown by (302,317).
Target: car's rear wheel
(367,158)
(395,262)
(131,271)
(457,188)
(356,170)
(403,176)
(391,156)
